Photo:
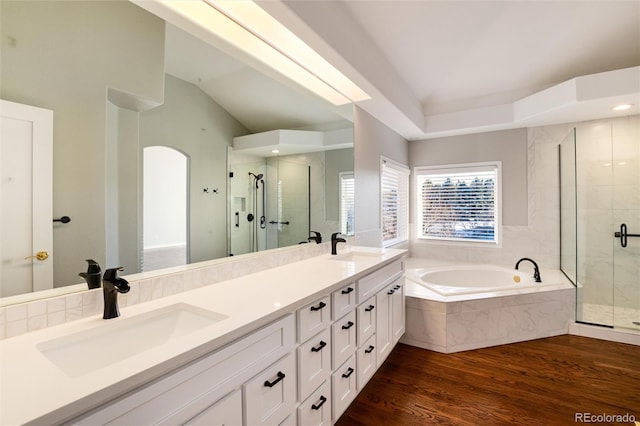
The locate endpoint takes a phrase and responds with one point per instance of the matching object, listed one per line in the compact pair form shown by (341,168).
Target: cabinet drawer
(181,395)
(344,387)
(343,339)
(316,410)
(227,412)
(343,301)
(366,361)
(314,363)
(271,396)
(313,318)
(366,320)
(370,284)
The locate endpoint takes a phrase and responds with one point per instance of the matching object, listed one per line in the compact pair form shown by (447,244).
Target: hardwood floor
(540,382)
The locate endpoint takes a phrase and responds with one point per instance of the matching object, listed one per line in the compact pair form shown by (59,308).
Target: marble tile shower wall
(608,176)
(25,317)
(540,238)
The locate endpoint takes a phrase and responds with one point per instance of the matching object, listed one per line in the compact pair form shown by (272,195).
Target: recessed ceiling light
(622,107)
(275,151)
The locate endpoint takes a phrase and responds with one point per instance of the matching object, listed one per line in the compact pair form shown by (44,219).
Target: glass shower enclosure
(600,221)
(269,203)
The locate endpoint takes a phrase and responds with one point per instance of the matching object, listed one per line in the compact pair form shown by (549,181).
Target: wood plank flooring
(540,382)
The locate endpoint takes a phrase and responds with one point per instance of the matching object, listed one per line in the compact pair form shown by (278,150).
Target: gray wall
(372,139)
(508,146)
(194,124)
(64,56)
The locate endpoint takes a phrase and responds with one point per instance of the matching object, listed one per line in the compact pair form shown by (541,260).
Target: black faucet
(334,242)
(536,271)
(317,237)
(112,285)
(93,276)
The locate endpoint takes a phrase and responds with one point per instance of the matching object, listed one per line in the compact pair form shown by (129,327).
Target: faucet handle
(112,273)
(334,235)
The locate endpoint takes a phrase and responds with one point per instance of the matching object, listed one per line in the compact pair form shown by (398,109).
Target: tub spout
(536,270)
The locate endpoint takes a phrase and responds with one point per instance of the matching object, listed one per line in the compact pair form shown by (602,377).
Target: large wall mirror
(167,149)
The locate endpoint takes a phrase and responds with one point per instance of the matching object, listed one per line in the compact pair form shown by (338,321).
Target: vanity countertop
(33,389)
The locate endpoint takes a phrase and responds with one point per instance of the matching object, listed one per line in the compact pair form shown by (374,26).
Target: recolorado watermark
(604,418)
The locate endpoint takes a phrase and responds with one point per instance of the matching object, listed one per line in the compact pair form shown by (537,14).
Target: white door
(26,158)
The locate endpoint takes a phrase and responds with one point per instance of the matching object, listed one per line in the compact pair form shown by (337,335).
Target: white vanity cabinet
(193,390)
(304,368)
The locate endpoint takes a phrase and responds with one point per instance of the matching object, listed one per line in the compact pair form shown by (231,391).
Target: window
(394,199)
(347,202)
(459,202)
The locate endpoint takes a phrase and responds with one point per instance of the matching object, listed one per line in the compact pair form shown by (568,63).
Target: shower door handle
(623,235)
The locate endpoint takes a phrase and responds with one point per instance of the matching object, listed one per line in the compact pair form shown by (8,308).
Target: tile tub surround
(50,396)
(459,323)
(20,318)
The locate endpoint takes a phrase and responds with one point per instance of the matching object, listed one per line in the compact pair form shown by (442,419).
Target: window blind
(347,203)
(394,199)
(459,203)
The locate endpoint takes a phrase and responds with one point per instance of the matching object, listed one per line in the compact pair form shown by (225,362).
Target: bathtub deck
(540,382)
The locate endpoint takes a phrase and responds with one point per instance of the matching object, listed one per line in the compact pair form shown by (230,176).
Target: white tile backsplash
(21,318)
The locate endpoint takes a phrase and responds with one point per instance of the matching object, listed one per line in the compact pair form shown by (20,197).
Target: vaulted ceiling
(438,67)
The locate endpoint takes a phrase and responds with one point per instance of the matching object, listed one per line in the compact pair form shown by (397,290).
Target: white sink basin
(120,338)
(355,256)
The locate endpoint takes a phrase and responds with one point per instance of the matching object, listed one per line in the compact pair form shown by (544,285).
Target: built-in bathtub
(452,308)
(473,279)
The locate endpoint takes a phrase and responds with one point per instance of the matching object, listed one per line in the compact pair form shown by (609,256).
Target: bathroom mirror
(116,90)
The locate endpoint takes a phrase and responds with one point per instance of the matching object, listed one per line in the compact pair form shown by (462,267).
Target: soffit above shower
(289,142)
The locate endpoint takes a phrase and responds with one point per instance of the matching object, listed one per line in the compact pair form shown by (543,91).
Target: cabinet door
(227,412)
(383,323)
(271,396)
(316,410)
(343,339)
(314,363)
(344,387)
(366,361)
(398,311)
(313,318)
(366,320)
(343,301)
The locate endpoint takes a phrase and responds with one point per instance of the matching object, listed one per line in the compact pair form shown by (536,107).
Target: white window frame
(454,168)
(341,211)
(402,213)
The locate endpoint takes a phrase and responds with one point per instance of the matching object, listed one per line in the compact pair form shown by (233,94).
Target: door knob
(41,255)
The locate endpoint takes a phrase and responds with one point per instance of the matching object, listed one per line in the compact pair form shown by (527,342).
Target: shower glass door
(604,159)
(625,164)
(288,203)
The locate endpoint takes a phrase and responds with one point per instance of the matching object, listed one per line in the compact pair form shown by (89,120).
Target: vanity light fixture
(265,27)
(247,27)
(622,107)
